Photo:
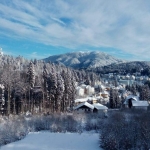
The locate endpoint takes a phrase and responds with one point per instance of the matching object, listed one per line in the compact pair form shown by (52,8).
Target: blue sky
(40,28)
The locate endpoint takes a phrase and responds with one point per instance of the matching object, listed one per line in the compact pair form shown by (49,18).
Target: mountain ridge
(89,59)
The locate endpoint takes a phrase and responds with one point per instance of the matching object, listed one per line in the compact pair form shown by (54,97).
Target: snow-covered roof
(135,98)
(85,99)
(140,103)
(81,100)
(84,104)
(99,106)
(79,88)
(83,86)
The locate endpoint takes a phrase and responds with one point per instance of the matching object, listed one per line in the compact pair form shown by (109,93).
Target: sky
(41,28)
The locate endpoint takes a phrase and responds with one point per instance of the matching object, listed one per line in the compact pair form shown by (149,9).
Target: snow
(82,100)
(85,99)
(140,103)
(136,98)
(56,141)
(100,106)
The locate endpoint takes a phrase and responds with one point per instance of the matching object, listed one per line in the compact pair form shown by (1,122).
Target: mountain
(85,60)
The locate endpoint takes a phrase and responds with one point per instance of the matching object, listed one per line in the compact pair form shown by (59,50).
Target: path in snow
(56,141)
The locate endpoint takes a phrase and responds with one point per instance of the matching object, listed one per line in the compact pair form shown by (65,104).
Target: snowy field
(56,141)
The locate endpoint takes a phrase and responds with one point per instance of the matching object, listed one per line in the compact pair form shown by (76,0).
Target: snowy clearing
(56,141)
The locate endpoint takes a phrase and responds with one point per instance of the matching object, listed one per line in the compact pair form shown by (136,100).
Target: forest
(38,87)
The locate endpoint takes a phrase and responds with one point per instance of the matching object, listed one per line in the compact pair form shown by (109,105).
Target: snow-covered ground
(56,141)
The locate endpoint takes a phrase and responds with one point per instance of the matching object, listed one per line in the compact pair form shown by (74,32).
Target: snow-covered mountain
(84,59)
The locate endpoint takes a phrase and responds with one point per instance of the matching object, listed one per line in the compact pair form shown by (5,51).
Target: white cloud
(119,24)
(36,55)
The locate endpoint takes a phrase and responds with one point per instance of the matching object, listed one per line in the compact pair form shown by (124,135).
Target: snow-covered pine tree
(2,99)
(65,102)
(117,99)
(31,82)
(145,93)
(111,99)
(52,86)
(45,86)
(70,89)
(59,92)
(114,99)
(87,79)
(31,74)
(73,91)
(133,89)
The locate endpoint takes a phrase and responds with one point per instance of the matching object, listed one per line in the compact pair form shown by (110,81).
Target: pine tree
(133,89)
(52,86)
(2,99)
(145,93)
(31,81)
(31,75)
(59,92)
(67,92)
(114,99)
(111,99)
(45,86)
(73,91)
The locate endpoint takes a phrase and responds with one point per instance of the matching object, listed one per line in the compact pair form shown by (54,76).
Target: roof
(99,106)
(84,104)
(133,97)
(81,100)
(83,86)
(85,99)
(139,103)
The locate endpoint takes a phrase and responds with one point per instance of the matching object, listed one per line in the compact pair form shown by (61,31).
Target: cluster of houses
(89,100)
(125,79)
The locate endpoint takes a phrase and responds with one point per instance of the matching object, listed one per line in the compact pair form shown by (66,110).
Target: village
(97,98)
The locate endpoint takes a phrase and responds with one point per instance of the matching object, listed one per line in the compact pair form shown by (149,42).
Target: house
(140,105)
(84,107)
(87,107)
(91,100)
(128,101)
(90,90)
(99,108)
(80,91)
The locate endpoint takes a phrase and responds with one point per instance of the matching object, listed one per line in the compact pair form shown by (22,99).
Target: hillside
(85,60)
(123,68)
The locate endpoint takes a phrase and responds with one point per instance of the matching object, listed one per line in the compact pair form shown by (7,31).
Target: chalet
(140,105)
(99,108)
(84,107)
(128,101)
(87,107)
